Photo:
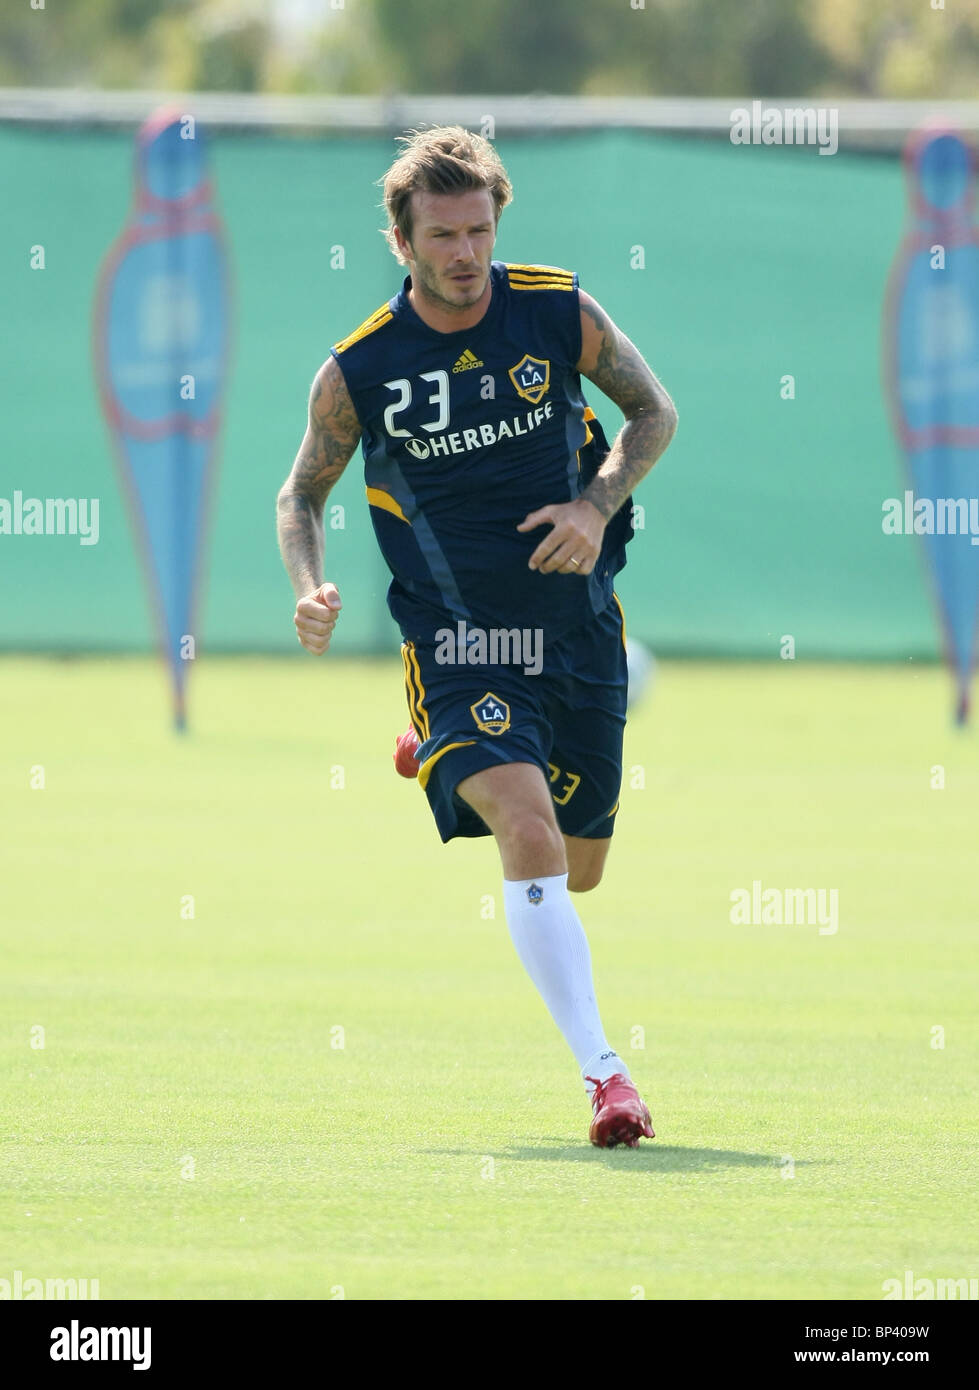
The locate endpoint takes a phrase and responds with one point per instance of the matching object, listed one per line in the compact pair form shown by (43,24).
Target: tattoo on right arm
(328,444)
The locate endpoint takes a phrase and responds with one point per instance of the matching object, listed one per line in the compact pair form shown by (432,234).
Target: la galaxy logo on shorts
(535,893)
(492,715)
(532,377)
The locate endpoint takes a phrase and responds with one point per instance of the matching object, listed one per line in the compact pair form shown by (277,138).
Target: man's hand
(316,617)
(574,541)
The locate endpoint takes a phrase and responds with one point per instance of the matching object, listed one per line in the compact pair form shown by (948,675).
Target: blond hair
(441,159)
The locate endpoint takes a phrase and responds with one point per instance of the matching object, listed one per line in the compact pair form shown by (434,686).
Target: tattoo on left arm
(616,366)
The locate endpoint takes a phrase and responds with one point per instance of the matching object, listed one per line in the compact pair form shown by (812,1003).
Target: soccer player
(503,515)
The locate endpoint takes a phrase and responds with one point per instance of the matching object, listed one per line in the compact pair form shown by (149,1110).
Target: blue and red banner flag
(931,369)
(161,342)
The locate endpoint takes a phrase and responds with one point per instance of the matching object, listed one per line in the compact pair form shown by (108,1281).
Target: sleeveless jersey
(463,434)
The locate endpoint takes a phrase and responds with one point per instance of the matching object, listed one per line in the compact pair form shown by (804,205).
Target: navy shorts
(568,719)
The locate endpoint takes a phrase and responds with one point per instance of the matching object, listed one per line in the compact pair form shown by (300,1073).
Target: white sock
(603,1065)
(554,950)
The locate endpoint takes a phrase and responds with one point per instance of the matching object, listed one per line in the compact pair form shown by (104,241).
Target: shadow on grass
(667,1158)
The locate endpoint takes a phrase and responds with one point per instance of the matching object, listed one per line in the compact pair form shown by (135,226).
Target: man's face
(451,246)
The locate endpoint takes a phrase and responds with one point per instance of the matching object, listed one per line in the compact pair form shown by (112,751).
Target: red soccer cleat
(621,1116)
(404,753)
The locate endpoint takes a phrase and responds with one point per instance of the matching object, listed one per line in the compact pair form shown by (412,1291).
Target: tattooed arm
(616,367)
(574,542)
(330,439)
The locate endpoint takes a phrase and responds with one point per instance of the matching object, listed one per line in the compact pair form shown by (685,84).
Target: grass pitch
(334,1078)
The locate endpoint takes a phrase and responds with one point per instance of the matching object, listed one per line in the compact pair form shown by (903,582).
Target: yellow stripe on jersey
(378,313)
(379,317)
(425,771)
(550,272)
(539,277)
(420,702)
(410,691)
(589,413)
(543,285)
(416,690)
(622,615)
(525,277)
(377,497)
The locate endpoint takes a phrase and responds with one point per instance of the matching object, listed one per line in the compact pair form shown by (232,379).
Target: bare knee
(514,801)
(532,838)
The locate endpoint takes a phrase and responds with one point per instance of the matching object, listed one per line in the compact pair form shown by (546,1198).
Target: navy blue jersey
(463,434)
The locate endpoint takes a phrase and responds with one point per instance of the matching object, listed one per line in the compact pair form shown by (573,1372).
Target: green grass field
(193,1129)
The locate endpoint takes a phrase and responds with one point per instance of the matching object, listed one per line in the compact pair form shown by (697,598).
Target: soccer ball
(642,669)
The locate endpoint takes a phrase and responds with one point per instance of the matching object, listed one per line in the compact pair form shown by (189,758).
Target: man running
(503,516)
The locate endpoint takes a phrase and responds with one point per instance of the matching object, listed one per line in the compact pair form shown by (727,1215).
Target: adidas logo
(467,361)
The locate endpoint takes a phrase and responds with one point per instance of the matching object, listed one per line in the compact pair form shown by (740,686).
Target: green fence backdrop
(762,519)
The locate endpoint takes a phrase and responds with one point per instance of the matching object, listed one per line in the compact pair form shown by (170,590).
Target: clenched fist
(316,617)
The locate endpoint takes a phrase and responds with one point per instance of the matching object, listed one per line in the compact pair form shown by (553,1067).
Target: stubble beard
(427,284)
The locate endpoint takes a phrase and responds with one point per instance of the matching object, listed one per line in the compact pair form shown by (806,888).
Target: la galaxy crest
(532,377)
(492,715)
